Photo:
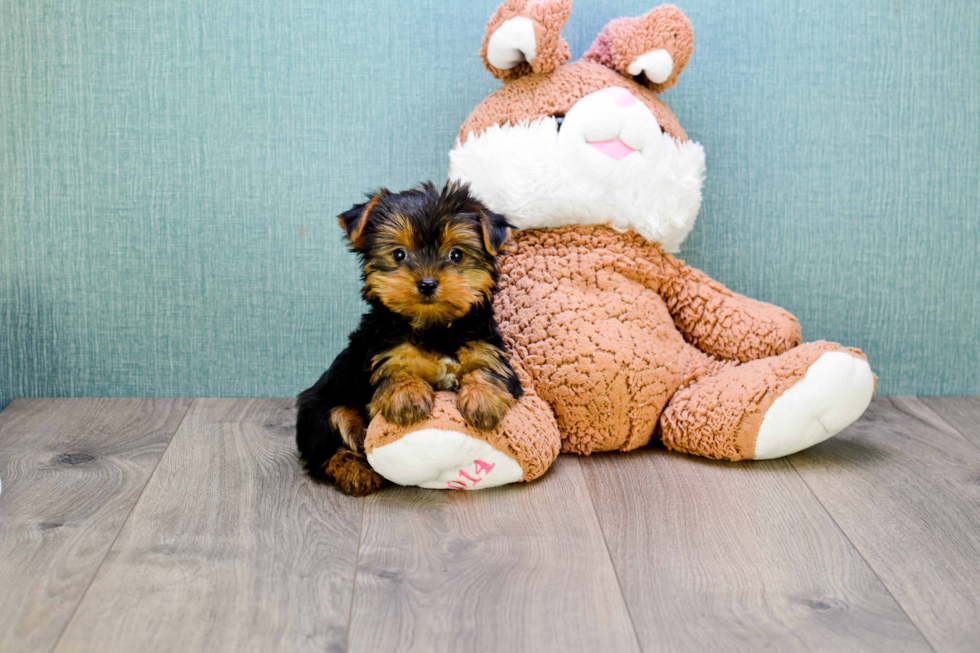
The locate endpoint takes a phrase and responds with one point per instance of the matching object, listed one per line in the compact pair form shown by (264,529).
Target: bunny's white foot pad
(833,393)
(444,460)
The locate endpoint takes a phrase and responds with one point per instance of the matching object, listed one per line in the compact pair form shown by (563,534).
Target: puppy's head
(427,255)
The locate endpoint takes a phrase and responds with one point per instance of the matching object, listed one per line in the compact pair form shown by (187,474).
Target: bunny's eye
(399,255)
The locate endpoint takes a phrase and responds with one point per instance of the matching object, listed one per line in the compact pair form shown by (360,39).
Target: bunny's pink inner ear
(653,48)
(524,36)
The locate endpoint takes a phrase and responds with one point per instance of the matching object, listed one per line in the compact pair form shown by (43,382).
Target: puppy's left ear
(496,232)
(354,219)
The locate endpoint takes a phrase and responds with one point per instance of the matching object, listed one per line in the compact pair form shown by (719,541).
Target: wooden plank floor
(187,525)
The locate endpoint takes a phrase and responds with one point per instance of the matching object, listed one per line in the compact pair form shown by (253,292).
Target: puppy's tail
(316,436)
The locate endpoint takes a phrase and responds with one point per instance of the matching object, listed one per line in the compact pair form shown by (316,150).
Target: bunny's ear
(653,48)
(354,219)
(524,36)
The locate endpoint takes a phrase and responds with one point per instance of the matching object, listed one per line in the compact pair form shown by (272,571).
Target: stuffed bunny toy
(614,339)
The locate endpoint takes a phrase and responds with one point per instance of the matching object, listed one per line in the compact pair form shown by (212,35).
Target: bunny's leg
(770,407)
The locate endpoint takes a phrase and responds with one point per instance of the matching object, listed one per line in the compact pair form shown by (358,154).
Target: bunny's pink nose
(620,96)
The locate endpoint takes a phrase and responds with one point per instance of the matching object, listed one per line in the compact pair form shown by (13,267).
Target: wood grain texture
(962,413)
(72,470)
(231,548)
(736,556)
(519,568)
(220,542)
(904,486)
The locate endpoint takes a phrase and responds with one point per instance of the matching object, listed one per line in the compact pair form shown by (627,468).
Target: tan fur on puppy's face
(427,255)
(461,284)
(457,293)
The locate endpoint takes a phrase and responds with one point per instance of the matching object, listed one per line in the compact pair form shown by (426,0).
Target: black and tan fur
(428,262)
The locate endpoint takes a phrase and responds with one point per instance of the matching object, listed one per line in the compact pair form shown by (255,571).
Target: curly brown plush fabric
(719,415)
(616,341)
(534,96)
(624,39)
(609,327)
(548,17)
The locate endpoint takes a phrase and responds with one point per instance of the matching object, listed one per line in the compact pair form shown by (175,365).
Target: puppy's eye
(399,255)
(559,118)
(455,255)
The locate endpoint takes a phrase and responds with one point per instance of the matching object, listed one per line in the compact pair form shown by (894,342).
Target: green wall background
(169,173)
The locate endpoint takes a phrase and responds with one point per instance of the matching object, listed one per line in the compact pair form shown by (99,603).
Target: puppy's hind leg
(331,439)
(348,467)
(328,416)
(352,473)
(316,437)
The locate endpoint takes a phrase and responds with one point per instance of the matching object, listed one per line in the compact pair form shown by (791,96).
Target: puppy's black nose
(427,285)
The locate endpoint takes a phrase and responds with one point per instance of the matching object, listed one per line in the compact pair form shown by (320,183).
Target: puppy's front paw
(483,404)
(352,473)
(404,401)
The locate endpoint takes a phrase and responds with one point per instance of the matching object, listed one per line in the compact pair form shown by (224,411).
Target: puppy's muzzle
(427,286)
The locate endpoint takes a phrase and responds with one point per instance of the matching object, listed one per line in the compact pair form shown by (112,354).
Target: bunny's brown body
(614,339)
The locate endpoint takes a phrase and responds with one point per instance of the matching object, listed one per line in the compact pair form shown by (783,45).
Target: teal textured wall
(169,173)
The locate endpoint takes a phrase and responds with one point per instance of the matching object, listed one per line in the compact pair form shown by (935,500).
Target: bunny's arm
(722,323)
(710,316)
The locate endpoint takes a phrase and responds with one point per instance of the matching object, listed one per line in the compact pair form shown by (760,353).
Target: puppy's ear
(496,232)
(353,220)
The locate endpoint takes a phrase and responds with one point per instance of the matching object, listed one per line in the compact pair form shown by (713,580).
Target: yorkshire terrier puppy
(429,269)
